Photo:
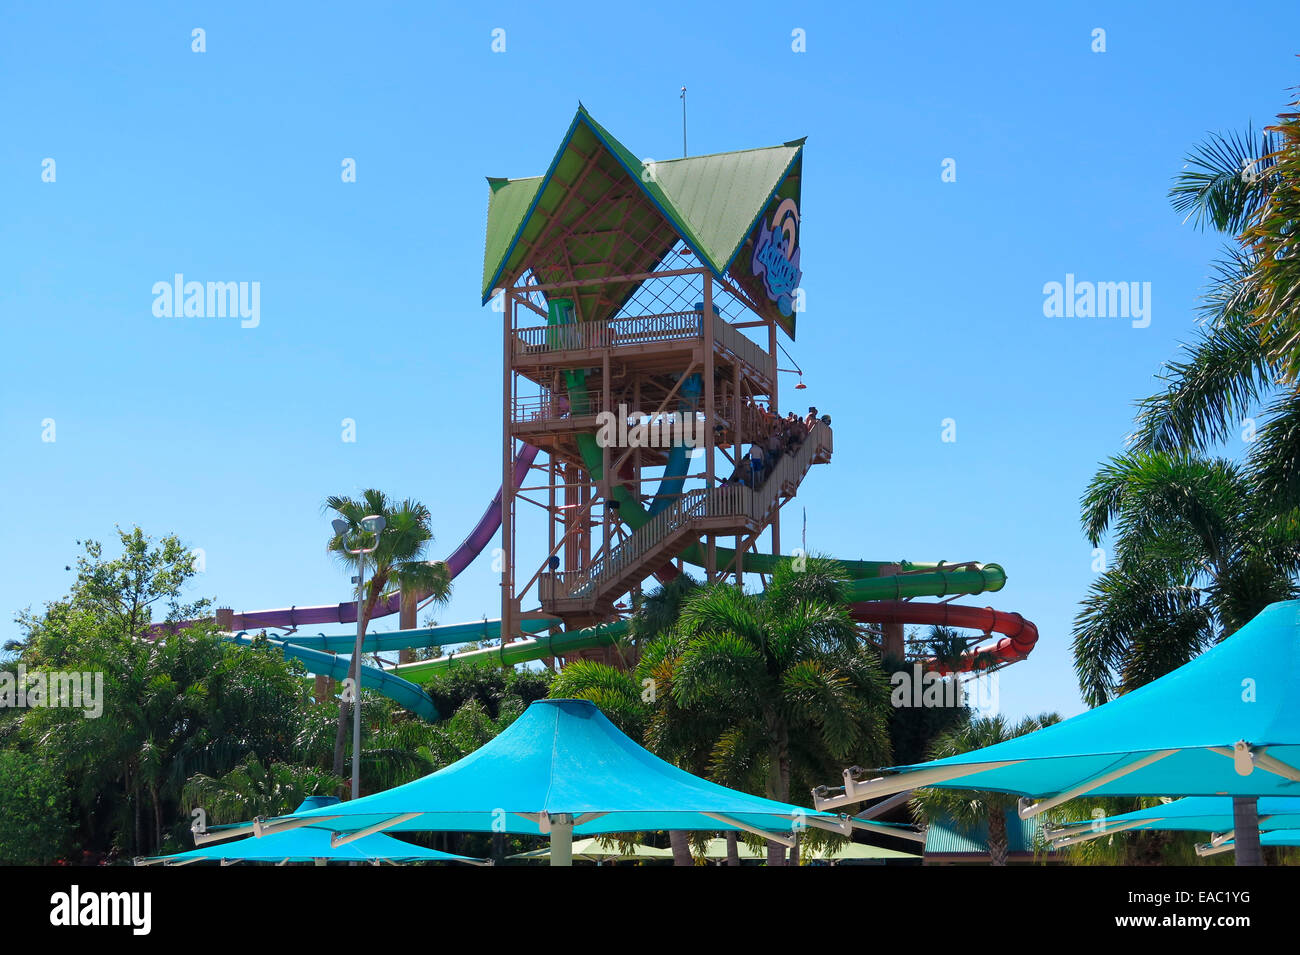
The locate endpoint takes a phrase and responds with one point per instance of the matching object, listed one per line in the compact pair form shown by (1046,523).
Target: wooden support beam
(507,478)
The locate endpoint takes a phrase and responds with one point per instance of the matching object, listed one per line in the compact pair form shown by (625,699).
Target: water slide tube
(964,579)
(425,637)
(1019,634)
(402,692)
(310,649)
(460,558)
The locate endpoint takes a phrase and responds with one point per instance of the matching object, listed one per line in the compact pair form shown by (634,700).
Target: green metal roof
(712,203)
(945,837)
(511,199)
(720,197)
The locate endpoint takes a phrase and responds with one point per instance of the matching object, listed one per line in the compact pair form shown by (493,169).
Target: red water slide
(1019,634)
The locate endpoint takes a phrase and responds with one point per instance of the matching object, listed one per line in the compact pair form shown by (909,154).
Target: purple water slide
(460,558)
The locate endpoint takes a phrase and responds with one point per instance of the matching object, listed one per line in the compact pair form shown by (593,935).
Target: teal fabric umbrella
(1224,724)
(562,769)
(1274,837)
(1192,814)
(306,845)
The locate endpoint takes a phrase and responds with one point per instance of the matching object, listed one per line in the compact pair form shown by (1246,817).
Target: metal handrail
(611,333)
(733,500)
(640,330)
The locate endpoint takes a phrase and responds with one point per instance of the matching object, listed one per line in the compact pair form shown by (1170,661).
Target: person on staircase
(775,442)
(756,458)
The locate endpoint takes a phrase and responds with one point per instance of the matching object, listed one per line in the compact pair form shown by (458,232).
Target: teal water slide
(401,691)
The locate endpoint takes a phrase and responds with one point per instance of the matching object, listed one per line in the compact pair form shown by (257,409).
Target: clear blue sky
(924,297)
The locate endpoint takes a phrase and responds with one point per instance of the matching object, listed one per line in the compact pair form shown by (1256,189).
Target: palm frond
(1226,179)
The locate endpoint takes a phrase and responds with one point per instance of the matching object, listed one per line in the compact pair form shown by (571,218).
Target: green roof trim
(712,202)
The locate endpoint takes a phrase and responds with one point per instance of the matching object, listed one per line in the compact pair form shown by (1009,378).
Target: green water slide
(962,579)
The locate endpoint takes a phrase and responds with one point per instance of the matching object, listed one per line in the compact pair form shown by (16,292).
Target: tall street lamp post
(372,524)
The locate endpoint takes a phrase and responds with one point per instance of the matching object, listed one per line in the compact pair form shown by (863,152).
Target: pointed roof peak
(712,202)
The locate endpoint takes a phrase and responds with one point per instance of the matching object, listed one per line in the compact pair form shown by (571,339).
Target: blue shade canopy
(564,758)
(307,845)
(1192,814)
(1276,837)
(1173,737)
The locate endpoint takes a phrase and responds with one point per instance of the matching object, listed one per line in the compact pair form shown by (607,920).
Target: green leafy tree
(1248,186)
(911,728)
(492,687)
(34,810)
(173,703)
(254,789)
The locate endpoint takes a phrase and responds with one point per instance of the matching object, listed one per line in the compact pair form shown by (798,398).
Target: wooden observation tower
(641,307)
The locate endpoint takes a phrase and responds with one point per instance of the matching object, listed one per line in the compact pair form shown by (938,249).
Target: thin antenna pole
(683,122)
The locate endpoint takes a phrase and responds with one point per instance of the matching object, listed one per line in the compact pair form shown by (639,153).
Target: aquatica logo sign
(776,255)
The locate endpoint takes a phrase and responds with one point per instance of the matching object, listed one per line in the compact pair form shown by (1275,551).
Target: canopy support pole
(561,840)
(1088,836)
(1028,810)
(887,830)
(1205,849)
(203,838)
(735,823)
(872,811)
(1213,850)
(857,791)
(260,828)
(1245,828)
(342,839)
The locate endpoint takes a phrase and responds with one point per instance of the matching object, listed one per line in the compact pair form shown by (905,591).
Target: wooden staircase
(728,510)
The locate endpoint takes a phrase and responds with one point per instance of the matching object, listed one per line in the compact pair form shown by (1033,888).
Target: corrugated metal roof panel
(712,202)
(944,836)
(507,205)
(721,196)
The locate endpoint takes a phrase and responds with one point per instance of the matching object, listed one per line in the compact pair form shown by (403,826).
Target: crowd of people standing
(784,435)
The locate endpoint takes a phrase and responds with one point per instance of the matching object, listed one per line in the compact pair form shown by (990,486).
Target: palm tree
(787,674)
(617,693)
(396,564)
(1197,559)
(1249,188)
(638,702)
(1274,282)
(253,789)
(971,809)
